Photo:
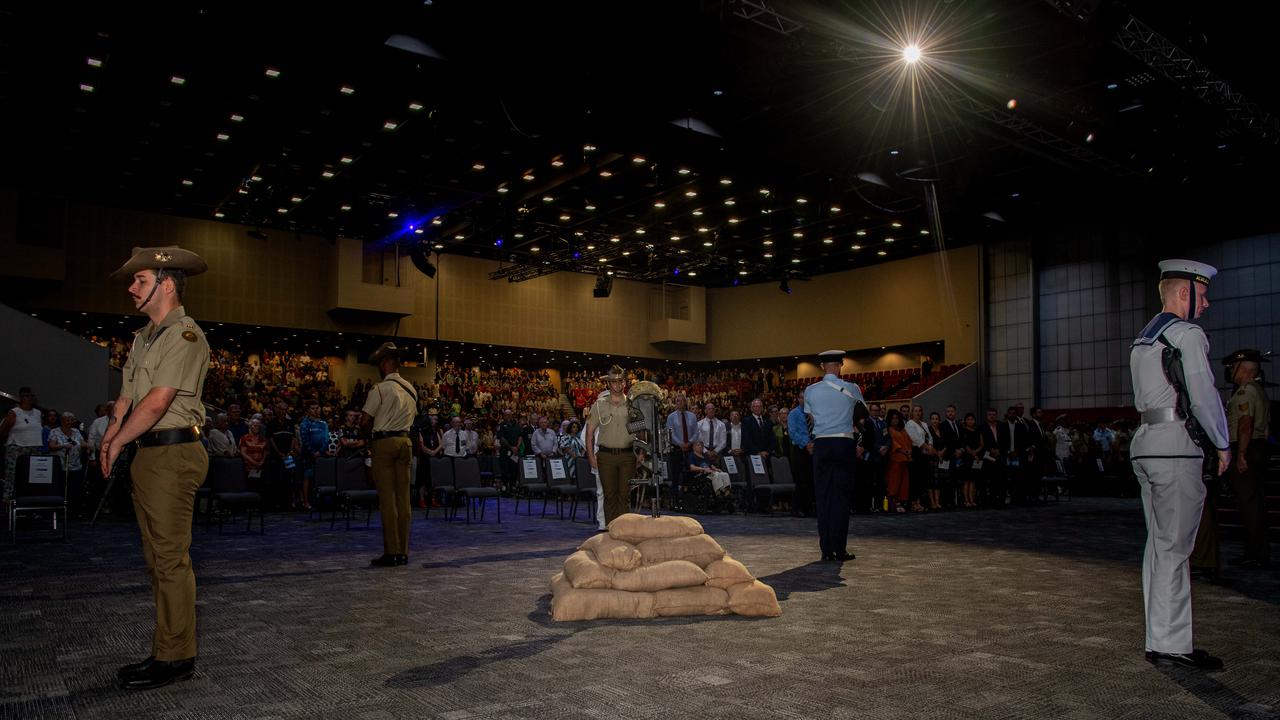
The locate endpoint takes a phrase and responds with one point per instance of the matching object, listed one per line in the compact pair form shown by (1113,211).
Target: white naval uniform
(1168,466)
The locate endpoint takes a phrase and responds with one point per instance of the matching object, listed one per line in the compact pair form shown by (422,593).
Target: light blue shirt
(677,431)
(831,407)
(798,427)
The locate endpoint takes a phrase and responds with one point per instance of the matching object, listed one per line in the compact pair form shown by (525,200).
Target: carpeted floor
(987,614)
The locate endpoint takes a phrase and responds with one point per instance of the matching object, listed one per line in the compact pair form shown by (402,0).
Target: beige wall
(285,282)
(921,299)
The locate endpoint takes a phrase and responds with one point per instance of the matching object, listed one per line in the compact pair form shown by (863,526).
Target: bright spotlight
(911,53)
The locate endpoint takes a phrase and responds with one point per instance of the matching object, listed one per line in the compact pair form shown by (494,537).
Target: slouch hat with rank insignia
(169,257)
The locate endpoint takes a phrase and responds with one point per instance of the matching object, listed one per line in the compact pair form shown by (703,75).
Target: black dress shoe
(828,556)
(385,561)
(843,556)
(402,560)
(158,674)
(134,668)
(1197,659)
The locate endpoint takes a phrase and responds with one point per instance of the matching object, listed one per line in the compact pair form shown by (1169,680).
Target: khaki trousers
(616,471)
(391,477)
(165,480)
(1252,501)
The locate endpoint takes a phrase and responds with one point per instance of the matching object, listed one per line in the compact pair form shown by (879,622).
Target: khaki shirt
(391,405)
(1249,400)
(609,421)
(173,354)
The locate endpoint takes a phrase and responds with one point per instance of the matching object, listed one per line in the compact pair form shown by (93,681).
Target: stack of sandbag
(646,567)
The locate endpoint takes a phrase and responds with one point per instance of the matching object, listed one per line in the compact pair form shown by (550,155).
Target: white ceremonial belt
(1160,415)
(848,435)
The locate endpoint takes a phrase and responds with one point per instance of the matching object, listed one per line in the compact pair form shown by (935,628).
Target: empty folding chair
(325,486)
(559,484)
(442,485)
(586,483)
(782,485)
(39,486)
(470,486)
(354,491)
(231,492)
(533,481)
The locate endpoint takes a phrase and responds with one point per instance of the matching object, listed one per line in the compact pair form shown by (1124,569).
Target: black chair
(738,484)
(470,486)
(442,485)
(354,491)
(231,493)
(324,487)
(782,486)
(529,486)
(204,495)
(562,488)
(39,486)
(1056,483)
(586,485)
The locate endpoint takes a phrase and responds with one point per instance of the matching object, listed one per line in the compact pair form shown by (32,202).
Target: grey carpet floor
(1031,613)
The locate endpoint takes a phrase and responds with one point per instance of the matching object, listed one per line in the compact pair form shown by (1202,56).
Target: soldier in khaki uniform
(614,460)
(1249,421)
(163,381)
(389,411)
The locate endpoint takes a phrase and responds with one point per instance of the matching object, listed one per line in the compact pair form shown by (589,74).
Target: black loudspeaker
(604,285)
(421,258)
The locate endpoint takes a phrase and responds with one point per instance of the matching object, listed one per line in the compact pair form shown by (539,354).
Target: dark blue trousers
(833,463)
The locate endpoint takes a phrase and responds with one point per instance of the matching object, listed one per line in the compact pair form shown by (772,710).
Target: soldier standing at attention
(608,444)
(1249,421)
(831,403)
(389,410)
(1182,421)
(163,381)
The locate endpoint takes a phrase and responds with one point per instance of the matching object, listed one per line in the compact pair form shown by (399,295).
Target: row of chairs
(550,478)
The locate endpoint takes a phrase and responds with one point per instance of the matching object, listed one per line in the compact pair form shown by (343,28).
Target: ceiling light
(347,90)
(896,224)
(675,238)
(547,199)
(827,241)
(742,272)
(187,183)
(614,240)
(692,273)
(177,80)
(1013,103)
(795,260)
(418,231)
(726,181)
(345,208)
(893,152)
(502,189)
(889,240)
(326,174)
(767,243)
(733,221)
(93,62)
(861,233)
(924,232)
(835,208)
(659,204)
(638,159)
(691,193)
(605,174)
(640,231)
(588,148)
(459,237)
(527,177)
(768,254)
(219,214)
(764,191)
(604,260)
(346,160)
(801,200)
(535,248)
(911,54)
(626,253)
(697,213)
(708,243)
(273,73)
(295,199)
(704,229)
(882,253)
(683,171)
(730,202)
(438,246)
(415,106)
(390,125)
(223,137)
(797,234)
(856,247)
(564,218)
(393,214)
(242,191)
(591,247)
(1088,138)
(282,211)
(477,166)
(85,87)
(437,221)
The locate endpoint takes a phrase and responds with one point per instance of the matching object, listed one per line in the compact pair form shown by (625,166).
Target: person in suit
(994,439)
(1017,450)
(949,432)
(757,431)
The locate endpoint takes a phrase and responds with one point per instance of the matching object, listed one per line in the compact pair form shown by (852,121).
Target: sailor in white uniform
(1182,422)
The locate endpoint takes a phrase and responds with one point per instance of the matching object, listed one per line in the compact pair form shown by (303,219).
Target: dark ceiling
(709,142)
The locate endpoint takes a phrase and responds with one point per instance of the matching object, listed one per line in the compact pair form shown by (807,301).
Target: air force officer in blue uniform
(831,402)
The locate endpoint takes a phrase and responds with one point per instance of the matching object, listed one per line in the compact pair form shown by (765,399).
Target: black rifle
(1171,359)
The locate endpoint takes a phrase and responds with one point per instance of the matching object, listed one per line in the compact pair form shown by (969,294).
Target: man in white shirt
(544,440)
(919,434)
(221,442)
(711,431)
(733,434)
(456,442)
(99,427)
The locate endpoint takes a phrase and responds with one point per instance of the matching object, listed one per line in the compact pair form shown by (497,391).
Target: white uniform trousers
(1172,498)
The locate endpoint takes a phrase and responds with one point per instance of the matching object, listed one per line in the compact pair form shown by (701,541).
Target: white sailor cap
(1187,270)
(834,356)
